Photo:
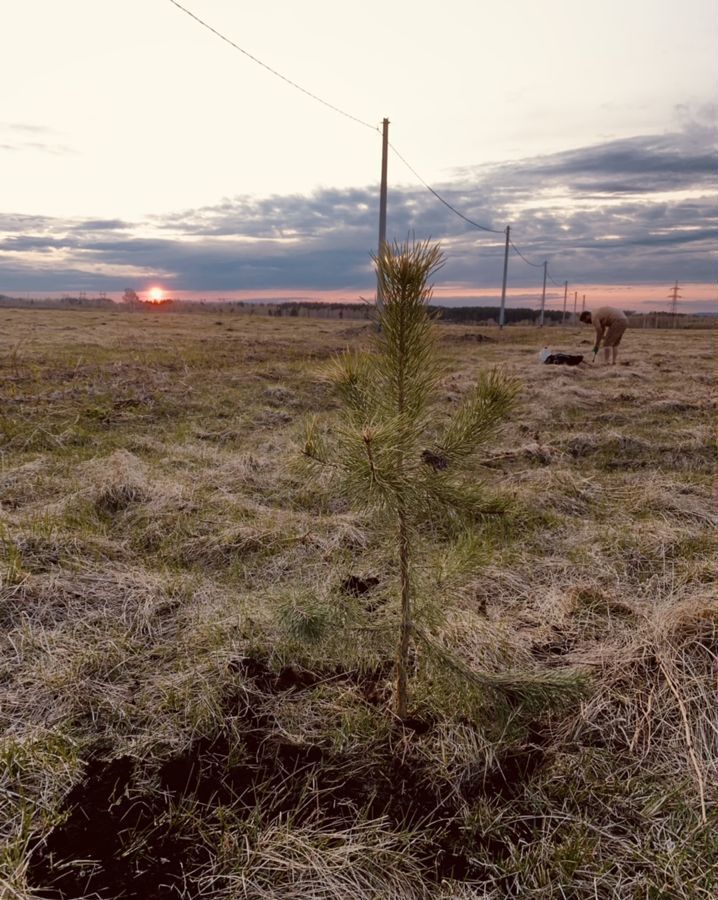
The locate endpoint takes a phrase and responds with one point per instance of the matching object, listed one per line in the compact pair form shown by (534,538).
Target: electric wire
(359,121)
(441,199)
(332,107)
(270,69)
(527,261)
(554,281)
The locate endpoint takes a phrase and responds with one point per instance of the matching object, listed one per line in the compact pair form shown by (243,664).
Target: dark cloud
(18,224)
(102,225)
(20,242)
(636,210)
(643,164)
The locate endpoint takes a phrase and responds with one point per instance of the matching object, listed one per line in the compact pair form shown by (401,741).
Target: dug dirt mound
(137,837)
(96,850)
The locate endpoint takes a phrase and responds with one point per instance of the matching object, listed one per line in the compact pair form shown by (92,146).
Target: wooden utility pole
(543,294)
(575,306)
(502,314)
(382,204)
(565,297)
(583,304)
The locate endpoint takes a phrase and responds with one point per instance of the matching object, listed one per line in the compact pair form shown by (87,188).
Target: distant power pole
(575,306)
(674,297)
(382,203)
(502,314)
(543,294)
(565,297)
(583,304)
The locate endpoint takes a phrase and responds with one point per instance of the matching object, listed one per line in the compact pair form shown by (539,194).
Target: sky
(138,149)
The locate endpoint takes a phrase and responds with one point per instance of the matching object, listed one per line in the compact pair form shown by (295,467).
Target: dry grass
(172,605)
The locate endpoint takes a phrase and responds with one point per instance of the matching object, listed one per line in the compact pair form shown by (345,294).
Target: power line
(554,281)
(359,121)
(527,261)
(441,199)
(330,106)
(270,69)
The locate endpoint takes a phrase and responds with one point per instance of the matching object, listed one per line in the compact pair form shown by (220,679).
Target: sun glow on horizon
(156,295)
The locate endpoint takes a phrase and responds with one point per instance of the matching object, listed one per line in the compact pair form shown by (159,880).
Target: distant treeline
(58,303)
(488,314)
(303,308)
(457,314)
(460,315)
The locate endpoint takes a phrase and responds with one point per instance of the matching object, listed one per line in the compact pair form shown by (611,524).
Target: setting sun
(156,295)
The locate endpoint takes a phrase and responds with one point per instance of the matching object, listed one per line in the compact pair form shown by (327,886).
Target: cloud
(633,165)
(25,127)
(636,210)
(90,225)
(17,134)
(18,146)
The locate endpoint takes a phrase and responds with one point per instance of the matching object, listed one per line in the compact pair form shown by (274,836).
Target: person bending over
(610,323)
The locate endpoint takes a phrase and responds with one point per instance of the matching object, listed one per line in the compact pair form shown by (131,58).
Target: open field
(167,734)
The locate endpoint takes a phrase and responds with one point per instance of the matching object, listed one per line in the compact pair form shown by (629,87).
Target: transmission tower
(674,297)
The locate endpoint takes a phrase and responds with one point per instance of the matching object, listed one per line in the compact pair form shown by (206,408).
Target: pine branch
(469,499)
(530,688)
(405,368)
(350,375)
(314,449)
(369,460)
(480,416)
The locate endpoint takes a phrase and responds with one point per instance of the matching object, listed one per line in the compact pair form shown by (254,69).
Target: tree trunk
(402,660)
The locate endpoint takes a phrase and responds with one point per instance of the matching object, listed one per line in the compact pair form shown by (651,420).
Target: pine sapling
(385,455)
